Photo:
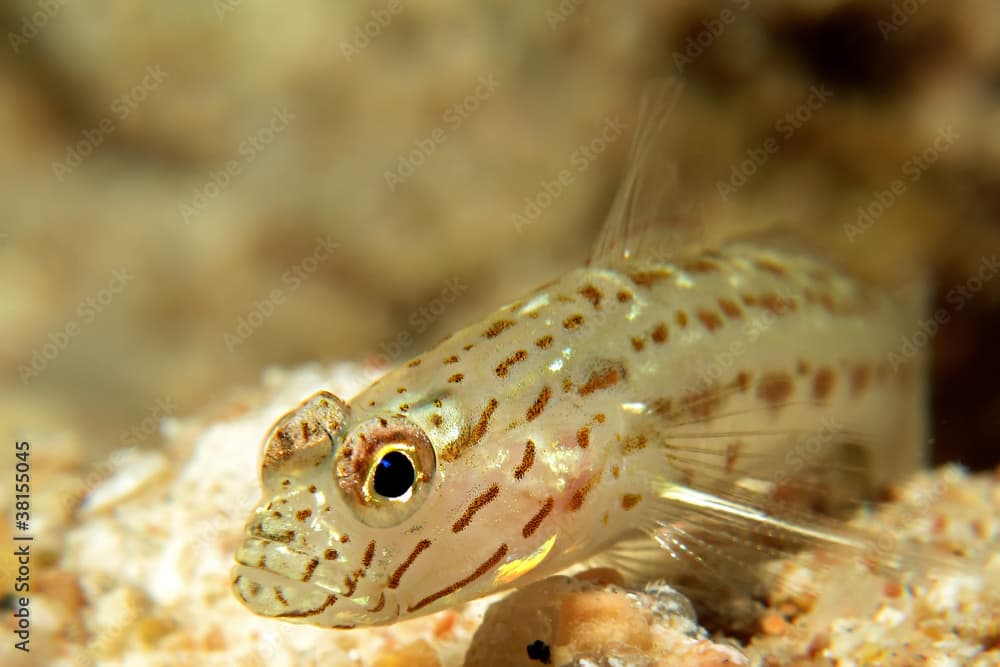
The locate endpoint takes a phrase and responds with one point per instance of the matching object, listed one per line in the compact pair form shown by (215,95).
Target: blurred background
(191,192)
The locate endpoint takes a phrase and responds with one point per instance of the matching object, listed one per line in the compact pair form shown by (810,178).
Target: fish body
(601,407)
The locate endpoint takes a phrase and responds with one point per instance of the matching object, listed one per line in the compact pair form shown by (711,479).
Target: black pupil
(394,475)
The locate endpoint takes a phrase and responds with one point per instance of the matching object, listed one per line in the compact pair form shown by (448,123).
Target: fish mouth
(274,580)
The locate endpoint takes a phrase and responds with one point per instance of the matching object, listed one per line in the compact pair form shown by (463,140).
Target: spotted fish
(669,396)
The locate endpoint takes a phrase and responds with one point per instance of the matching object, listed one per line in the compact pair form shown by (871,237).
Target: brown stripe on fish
(527,460)
(380,604)
(492,562)
(478,503)
(471,435)
(535,521)
(583,437)
(330,599)
(576,501)
(366,561)
(422,546)
(660,333)
(538,406)
(310,569)
(573,322)
(456,378)
(504,368)
(543,342)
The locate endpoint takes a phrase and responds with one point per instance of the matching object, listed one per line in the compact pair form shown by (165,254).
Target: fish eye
(384,469)
(393,475)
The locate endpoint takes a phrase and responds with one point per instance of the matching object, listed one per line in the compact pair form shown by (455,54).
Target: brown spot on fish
(504,367)
(580,495)
(437,419)
(401,390)
(573,321)
(699,265)
(471,436)
(802,367)
(709,319)
(403,407)
(478,503)
(453,359)
(660,333)
(312,488)
(634,443)
(543,342)
(567,385)
(496,328)
(456,378)
(422,546)
(583,437)
(536,520)
(345,538)
(732,455)
(730,309)
(661,407)
(638,344)
(310,568)
(468,347)
(414,363)
(331,554)
(302,515)
(860,376)
(770,267)
(822,383)
(536,408)
(630,500)
(742,381)
(606,375)
(649,278)
(615,471)
(280,596)
(599,418)
(480,571)
(623,296)
(774,388)
(592,294)
(682,318)
(527,460)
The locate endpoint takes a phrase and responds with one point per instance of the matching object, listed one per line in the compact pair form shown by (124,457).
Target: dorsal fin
(651,218)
